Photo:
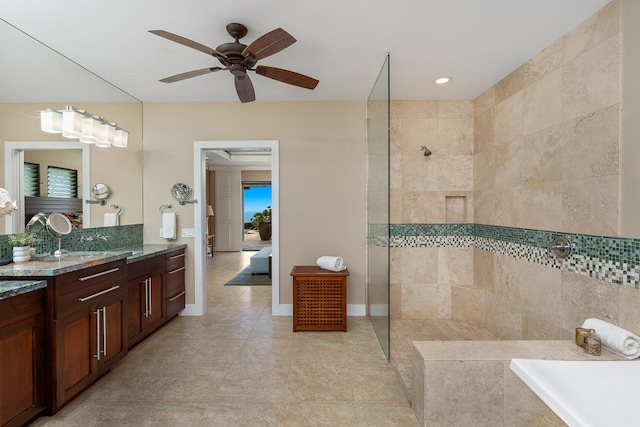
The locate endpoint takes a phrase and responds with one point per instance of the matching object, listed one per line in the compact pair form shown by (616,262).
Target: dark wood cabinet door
(76,353)
(113,336)
(157,306)
(22,379)
(136,305)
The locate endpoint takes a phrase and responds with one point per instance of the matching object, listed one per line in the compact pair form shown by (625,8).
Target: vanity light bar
(79,124)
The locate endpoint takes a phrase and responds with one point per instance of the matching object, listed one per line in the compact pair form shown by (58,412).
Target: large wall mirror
(34,77)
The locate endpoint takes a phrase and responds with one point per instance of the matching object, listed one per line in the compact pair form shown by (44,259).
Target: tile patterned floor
(239,366)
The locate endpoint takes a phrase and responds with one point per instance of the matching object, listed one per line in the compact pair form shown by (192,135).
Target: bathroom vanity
(91,307)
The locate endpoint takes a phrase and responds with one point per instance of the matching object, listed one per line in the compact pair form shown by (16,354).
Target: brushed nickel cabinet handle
(177,270)
(102,273)
(149,293)
(176,256)
(97,313)
(177,296)
(113,288)
(104,331)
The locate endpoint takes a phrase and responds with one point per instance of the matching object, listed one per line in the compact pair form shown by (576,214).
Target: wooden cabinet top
(314,270)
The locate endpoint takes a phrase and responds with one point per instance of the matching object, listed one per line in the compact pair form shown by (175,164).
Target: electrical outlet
(188,232)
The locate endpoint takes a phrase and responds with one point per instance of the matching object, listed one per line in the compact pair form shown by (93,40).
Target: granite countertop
(13,288)
(50,266)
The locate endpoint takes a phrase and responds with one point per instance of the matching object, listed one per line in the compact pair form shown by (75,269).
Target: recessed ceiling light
(442,80)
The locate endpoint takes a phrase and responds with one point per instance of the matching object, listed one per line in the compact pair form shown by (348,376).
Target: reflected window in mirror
(31,179)
(62,182)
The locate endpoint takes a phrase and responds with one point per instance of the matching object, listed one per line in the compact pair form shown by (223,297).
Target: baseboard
(191,310)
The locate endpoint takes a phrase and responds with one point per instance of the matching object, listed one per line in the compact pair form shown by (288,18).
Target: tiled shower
(534,156)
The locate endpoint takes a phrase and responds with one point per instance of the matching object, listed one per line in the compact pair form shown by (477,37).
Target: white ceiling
(340,42)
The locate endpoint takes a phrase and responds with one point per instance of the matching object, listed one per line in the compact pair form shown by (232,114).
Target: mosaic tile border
(613,259)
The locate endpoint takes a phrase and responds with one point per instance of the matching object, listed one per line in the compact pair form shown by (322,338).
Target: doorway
(201,148)
(256,209)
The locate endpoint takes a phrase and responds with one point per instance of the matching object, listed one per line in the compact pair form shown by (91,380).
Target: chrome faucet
(91,238)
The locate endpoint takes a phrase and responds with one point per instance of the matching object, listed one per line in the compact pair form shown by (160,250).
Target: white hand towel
(169,225)
(615,338)
(110,219)
(333,263)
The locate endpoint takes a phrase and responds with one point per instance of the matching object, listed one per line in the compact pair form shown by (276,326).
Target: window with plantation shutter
(62,182)
(32,179)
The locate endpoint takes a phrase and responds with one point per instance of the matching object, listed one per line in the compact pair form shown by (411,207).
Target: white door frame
(199,308)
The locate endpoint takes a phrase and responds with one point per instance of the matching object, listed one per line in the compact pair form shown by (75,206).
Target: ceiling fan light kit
(239,58)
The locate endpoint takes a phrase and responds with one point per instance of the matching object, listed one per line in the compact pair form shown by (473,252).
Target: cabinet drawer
(175,281)
(142,267)
(90,278)
(175,260)
(82,298)
(175,304)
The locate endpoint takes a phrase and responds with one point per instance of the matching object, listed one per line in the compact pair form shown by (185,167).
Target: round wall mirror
(181,192)
(101,192)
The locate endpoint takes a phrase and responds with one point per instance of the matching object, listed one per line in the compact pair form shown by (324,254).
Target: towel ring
(163,207)
(116,206)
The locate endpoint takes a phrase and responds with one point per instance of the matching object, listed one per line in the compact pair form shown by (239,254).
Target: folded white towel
(333,263)
(111,219)
(615,338)
(169,225)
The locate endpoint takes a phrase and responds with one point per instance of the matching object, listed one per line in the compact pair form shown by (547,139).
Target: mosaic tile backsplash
(90,239)
(613,259)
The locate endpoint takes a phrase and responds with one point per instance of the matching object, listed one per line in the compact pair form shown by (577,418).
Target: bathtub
(585,393)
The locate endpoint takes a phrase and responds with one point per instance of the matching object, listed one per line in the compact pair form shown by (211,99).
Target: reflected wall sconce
(80,124)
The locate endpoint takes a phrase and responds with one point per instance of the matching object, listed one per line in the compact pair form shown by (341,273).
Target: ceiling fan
(239,58)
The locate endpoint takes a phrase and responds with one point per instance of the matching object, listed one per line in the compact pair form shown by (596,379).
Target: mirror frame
(14,177)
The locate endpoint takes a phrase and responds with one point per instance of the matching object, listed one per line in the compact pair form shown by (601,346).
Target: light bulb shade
(121,138)
(71,124)
(90,130)
(107,133)
(51,121)
(209,210)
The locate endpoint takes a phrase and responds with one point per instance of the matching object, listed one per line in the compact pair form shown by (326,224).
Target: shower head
(425,150)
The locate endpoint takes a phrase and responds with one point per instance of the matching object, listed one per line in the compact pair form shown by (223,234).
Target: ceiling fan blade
(190,74)
(287,76)
(244,87)
(268,44)
(189,43)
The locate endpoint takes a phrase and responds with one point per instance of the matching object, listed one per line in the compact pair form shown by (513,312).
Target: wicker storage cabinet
(319,299)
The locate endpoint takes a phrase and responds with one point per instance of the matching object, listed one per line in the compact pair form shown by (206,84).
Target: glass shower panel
(378,134)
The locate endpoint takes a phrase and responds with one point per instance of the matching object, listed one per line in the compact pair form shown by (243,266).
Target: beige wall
(322,188)
(120,169)
(551,130)
(68,159)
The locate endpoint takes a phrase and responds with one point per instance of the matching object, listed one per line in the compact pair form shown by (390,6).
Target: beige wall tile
(417,132)
(484,131)
(395,171)
(542,206)
(540,290)
(396,135)
(419,207)
(420,301)
(592,144)
(545,62)
(536,327)
(455,173)
(419,109)
(508,164)
(544,156)
(503,318)
(486,100)
(455,265)
(395,303)
(468,305)
(628,309)
(395,206)
(419,265)
(508,207)
(510,85)
(593,31)
(455,109)
(483,269)
(590,206)
(484,207)
(508,121)
(484,170)
(584,297)
(542,105)
(591,81)
(420,173)
(455,136)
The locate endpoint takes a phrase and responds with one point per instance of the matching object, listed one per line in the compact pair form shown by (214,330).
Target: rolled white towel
(615,338)
(333,263)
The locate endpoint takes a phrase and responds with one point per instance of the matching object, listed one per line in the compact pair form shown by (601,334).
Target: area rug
(245,278)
